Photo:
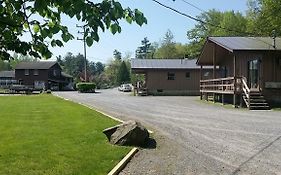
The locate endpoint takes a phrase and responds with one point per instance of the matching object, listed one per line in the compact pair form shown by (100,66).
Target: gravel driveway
(193,137)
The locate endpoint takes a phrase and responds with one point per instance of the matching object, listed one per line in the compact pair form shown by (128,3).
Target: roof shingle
(247,43)
(35,65)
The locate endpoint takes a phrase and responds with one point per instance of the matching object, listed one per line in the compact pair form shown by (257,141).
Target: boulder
(130,133)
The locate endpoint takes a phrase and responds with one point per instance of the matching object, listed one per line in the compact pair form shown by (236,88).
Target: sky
(159,21)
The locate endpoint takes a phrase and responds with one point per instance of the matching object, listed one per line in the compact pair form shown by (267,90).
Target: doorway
(254,74)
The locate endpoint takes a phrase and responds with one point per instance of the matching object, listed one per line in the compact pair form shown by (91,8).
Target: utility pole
(85,57)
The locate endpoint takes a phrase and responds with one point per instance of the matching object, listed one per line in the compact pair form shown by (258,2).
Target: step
(259,108)
(255,104)
(257,101)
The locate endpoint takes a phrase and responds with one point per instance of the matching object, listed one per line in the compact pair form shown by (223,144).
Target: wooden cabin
(250,70)
(43,75)
(169,76)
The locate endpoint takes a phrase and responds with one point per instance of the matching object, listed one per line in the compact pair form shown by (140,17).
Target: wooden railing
(229,85)
(245,87)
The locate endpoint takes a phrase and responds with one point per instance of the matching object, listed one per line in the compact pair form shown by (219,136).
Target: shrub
(86,87)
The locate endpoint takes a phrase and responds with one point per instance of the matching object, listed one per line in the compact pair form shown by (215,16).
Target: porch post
(214,69)
(201,67)
(214,61)
(234,74)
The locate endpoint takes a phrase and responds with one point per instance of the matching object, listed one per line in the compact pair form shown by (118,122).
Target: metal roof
(36,65)
(164,64)
(247,43)
(7,74)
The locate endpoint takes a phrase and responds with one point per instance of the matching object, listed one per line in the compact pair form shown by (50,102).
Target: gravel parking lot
(194,137)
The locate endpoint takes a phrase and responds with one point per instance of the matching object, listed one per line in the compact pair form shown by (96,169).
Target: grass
(46,135)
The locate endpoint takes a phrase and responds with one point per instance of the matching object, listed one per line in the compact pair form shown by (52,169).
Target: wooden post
(214,61)
(234,73)
(201,67)
(214,69)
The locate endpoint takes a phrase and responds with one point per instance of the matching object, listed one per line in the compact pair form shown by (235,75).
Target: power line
(204,22)
(193,6)
(199,20)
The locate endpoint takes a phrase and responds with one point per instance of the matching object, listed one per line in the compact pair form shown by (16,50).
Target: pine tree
(123,74)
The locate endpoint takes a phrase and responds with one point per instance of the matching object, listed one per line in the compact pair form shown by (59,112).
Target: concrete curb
(120,166)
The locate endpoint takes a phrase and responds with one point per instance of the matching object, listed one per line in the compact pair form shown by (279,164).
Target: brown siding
(270,70)
(158,80)
(29,79)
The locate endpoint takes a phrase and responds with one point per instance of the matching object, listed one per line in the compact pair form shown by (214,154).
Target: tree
(167,48)
(99,68)
(123,74)
(17,58)
(216,23)
(264,17)
(42,20)
(74,65)
(111,71)
(117,55)
(145,48)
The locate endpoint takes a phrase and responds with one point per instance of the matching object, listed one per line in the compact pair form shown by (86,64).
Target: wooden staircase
(253,99)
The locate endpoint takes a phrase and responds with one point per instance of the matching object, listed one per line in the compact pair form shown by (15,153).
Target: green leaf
(59,43)
(89,41)
(36,28)
(78,16)
(25,25)
(114,28)
(53,43)
(139,17)
(95,36)
(45,32)
(129,19)
(66,37)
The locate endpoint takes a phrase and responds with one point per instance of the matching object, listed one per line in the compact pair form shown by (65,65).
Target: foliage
(4,65)
(42,20)
(264,17)
(228,23)
(169,48)
(117,54)
(86,87)
(111,71)
(144,50)
(74,65)
(46,135)
(123,74)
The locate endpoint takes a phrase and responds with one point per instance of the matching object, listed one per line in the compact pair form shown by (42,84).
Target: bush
(86,87)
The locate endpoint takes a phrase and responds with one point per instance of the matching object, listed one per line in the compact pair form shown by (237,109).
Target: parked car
(125,88)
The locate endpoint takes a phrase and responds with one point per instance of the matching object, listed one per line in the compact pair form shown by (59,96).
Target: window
(171,76)
(187,75)
(26,72)
(35,72)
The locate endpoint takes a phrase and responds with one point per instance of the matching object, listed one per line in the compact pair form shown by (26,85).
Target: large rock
(127,133)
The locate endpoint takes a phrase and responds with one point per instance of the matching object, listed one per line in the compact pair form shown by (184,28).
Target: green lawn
(46,135)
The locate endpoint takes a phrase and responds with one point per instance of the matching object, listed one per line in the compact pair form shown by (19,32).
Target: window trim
(36,72)
(189,75)
(26,72)
(171,76)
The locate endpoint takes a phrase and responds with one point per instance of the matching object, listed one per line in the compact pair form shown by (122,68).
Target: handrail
(245,85)
(217,79)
